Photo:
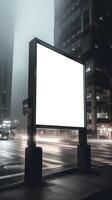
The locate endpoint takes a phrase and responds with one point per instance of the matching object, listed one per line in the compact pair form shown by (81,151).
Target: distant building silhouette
(6,57)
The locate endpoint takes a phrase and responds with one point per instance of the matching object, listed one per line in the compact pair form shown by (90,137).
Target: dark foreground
(70,186)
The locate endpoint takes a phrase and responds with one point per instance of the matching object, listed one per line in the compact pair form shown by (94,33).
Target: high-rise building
(6,57)
(83,29)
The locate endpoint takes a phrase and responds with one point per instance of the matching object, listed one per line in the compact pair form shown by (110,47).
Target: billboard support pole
(83,152)
(33,154)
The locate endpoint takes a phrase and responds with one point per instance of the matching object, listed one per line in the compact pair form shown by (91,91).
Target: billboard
(60,100)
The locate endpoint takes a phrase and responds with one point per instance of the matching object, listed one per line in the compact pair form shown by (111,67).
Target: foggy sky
(34,18)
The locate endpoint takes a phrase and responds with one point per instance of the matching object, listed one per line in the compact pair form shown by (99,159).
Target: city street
(57,155)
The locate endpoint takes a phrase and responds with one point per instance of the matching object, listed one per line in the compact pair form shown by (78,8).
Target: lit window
(102,115)
(77,3)
(96,46)
(88,96)
(97,97)
(88,69)
(101,18)
(98,69)
(4,91)
(73,49)
(73,36)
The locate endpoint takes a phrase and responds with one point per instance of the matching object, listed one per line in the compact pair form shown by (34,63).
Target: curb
(53,175)
(45,177)
(60,173)
(57,175)
(11,186)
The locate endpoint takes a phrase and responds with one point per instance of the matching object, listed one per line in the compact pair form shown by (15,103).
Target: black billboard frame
(32,84)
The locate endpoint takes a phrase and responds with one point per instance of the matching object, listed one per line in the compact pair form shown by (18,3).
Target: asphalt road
(57,155)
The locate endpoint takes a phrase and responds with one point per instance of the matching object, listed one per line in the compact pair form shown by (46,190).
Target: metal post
(94,110)
(33,154)
(83,153)
(31,130)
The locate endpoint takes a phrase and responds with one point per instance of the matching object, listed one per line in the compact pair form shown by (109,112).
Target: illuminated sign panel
(59,89)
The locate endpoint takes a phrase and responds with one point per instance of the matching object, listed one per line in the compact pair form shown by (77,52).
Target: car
(6,134)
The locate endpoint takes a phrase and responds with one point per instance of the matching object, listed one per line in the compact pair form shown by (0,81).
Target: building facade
(6,57)
(83,29)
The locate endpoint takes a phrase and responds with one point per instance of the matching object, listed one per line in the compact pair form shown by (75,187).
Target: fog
(33,18)
(6,55)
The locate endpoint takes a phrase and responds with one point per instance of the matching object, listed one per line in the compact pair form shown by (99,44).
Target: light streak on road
(53,161)
(101,141)
(50,149)
(47,139)
(44,139)
(69,146)
(56,152)
(102,160)
(11,175)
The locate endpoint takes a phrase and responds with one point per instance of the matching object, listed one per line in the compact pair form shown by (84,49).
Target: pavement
(68,185)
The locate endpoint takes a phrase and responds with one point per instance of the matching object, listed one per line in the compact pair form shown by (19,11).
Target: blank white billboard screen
(59,89)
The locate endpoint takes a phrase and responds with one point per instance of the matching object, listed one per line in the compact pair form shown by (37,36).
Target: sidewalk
(73,186)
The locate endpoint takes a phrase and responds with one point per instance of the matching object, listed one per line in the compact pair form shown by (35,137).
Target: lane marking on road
(68,146)
(52,166)
(46,164)
(53,161)
(11,175)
